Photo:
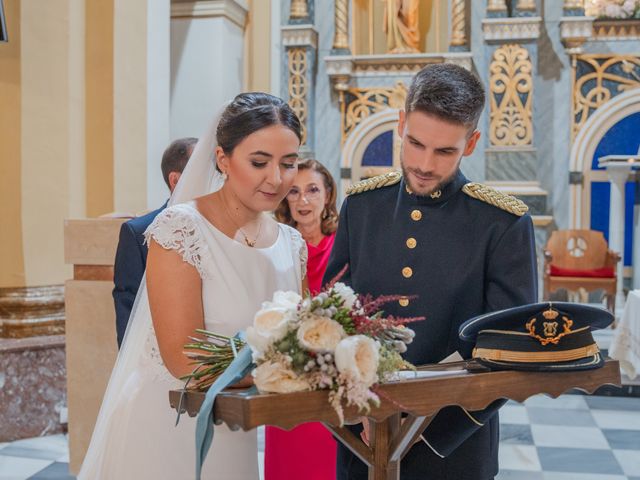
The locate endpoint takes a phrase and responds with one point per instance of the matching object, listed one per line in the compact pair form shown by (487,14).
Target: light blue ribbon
(236,371)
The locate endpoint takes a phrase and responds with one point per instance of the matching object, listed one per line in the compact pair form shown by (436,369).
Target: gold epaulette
(373,183)
(496,198)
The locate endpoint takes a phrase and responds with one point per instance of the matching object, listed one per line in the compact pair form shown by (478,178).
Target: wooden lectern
(420,399)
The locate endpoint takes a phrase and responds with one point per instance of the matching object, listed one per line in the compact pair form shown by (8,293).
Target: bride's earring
(224,176)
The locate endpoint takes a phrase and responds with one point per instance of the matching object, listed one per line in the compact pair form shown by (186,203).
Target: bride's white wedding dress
(138,439)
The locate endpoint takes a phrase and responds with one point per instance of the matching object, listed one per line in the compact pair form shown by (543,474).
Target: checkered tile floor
(573,437)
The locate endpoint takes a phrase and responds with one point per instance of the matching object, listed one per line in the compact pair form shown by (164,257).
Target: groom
(432,234)
(131,255)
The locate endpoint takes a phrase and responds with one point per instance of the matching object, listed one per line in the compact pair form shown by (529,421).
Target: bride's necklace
(247,240)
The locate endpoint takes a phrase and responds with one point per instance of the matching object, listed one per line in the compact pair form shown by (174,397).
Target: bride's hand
(246,382)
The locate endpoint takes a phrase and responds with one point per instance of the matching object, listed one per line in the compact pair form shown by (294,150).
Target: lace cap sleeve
(175,228)
(300,246)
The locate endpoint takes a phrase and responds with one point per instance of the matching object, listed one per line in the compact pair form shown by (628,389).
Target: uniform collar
(437,197)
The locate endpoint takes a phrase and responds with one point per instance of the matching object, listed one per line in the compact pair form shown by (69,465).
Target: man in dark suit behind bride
(131,255)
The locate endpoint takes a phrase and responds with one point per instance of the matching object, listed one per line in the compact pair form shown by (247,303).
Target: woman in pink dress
(309,450)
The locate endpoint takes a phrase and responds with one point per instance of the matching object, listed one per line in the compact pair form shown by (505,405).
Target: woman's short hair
(329,220)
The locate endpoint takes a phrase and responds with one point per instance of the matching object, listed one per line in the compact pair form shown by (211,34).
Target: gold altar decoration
(299,9)
(526,5)
(497,6)
(400,24)
(458,23)
(596,79)
(298,87)
(573,4)
(360,103)
(341,35)
(511,91)
(616,29)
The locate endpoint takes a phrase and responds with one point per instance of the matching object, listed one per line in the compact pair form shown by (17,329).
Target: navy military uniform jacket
(129,266)
(461,257)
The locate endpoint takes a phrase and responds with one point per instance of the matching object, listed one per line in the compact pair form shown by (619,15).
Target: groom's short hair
(450,92)
(176,156)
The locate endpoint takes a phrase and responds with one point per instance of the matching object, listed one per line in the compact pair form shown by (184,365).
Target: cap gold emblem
(550,328)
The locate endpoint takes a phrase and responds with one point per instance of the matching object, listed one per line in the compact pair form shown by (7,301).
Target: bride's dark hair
(250,112)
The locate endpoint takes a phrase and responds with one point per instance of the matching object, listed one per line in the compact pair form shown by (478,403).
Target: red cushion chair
(577,259)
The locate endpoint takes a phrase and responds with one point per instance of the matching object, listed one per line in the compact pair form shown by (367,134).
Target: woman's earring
(224,176)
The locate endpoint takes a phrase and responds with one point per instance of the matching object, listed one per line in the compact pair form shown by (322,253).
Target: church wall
(99,106)
(327,148)
(52,132)
(141,103)
(11,252)
(552,113)
(258,47)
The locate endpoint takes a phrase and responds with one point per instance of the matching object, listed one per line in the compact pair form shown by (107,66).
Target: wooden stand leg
(382,436)
(390,440)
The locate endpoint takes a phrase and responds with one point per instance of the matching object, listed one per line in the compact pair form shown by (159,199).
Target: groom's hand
(364,434)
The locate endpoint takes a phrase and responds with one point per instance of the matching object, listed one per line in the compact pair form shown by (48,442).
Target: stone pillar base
(31,311)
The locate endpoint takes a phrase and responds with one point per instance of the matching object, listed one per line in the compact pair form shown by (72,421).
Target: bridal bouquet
(337,340)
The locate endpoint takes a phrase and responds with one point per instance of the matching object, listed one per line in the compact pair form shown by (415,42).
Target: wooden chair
(577,259)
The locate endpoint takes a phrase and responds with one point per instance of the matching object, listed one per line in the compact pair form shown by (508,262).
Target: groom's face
(432,149)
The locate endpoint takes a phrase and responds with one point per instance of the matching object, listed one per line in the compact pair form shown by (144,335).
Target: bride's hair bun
(250,112)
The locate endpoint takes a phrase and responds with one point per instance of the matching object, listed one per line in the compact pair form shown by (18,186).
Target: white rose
(320,334)
(269,325)
(286,299)
(346,293)
(357,356)
(274,377)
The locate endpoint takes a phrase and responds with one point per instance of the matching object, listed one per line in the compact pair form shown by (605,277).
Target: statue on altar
(400,24)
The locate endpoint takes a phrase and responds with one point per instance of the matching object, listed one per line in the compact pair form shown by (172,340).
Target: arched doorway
(613,129)
(372,148)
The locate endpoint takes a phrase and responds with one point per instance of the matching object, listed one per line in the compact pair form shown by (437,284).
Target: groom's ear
(221,160)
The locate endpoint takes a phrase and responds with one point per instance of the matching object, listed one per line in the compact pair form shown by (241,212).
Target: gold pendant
(249,242)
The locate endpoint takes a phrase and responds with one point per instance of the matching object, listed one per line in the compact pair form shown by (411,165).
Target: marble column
(141,102)
(573,8)
(525,8)
(618,170)
(341,32)
(459,40)
(497,9)
(205,38)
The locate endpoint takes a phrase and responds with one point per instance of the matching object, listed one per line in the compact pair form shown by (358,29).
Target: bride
(214,256)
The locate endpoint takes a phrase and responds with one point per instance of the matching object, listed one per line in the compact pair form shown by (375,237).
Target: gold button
(411,242)
(407,272)
(416,215)
(403,302)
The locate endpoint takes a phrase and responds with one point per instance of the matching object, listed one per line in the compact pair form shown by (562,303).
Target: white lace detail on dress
(301,246)
(175,228)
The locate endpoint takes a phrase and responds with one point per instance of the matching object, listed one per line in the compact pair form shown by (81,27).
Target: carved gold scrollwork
(361,103)
(511,91)
(597,79)
(298,87)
